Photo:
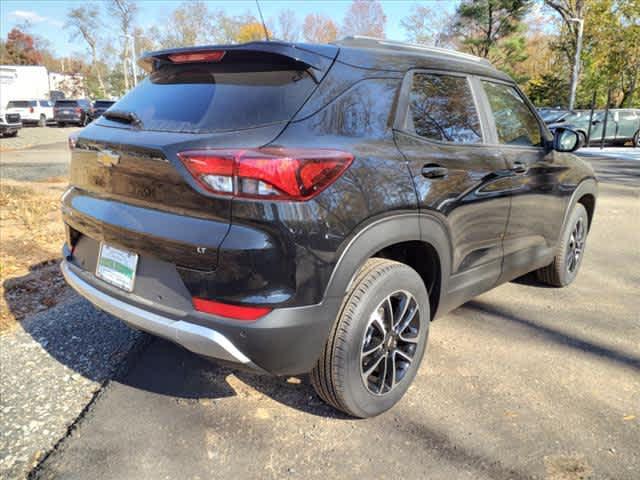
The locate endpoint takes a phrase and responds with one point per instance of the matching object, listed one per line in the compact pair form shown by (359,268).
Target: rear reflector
(234,312)
(271,173)
(196,57)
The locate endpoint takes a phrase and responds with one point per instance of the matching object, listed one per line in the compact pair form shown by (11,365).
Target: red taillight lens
(31,110)
(266,173)
(78,110)
(226,310)
(197,57)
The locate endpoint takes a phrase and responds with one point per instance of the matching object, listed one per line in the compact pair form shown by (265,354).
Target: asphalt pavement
(522,382)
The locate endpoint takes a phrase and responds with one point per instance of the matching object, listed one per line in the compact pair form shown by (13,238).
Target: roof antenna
(266,32)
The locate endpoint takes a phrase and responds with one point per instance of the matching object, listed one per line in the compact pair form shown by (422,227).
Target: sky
(47,17)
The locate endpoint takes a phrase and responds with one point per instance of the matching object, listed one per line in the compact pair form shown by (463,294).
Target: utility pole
(576,62)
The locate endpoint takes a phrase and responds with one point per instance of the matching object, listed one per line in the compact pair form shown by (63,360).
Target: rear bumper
(10,127)
(287,341)
(196,338)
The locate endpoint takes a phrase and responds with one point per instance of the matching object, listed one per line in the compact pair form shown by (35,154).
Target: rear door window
(441,108)
(515,123)
(203,98)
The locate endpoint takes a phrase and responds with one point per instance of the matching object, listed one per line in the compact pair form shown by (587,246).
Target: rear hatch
(66,108)
(24,108)
(130,186)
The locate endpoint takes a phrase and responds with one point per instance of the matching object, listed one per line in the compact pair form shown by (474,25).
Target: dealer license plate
(117,266)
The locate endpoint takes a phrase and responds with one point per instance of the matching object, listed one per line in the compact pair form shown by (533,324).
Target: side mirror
(565,140)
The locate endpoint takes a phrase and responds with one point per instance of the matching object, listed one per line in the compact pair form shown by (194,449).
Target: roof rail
(362,39)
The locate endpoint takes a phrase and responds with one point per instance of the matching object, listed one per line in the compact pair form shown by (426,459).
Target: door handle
(519,167)
(434,171)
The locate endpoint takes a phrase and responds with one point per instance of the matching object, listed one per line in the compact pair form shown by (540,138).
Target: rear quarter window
(441,108)
(201,99)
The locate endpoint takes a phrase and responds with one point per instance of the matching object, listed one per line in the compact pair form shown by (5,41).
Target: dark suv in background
(311,208)
(72,111)
(99,107)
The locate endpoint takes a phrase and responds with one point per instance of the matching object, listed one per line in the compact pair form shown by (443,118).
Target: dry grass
(31,236)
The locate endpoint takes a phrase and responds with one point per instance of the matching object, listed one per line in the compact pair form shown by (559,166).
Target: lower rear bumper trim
(198,339)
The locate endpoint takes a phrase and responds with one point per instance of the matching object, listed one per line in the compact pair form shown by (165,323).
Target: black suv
(99,107)
(72,111)
(311,208)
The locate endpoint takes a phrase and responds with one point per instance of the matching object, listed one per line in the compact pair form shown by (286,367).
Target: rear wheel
(42,121)
(12,134)
(62,124)
(375,348)
(569,252)
(636,139)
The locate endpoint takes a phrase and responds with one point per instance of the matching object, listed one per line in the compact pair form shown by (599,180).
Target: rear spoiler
(315,57)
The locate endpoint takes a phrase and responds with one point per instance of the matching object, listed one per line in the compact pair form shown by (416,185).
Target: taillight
(197,57)
(266,173)
(78,110)
(31,110)
(235,312)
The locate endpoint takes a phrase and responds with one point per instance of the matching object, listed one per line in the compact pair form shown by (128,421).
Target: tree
(250,32)
(288,28)
(483,24)
(427,26)
(125,11)
(319,29)
(20,49)
(84,22)
(365,17)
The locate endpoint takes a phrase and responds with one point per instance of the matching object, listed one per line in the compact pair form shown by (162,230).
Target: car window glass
(629,115)
(441,108)
(515,122)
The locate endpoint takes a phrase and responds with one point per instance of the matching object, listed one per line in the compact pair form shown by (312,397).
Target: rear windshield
(66,103)
(20,104)
(103,104)
(202,98)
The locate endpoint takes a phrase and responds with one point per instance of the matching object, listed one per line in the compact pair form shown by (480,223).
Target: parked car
(32,111)
(72,111)
(99,107)
(311,208)
(553,115)
(623,126)
(10,124)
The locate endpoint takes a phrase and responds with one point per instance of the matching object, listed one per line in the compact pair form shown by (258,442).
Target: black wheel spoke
(389,342)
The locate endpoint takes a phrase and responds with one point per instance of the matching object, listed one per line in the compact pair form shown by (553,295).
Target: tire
(340,373)
(62,124)
(13,134)
(582,140)
(42,121)
(636,139)
(567,261)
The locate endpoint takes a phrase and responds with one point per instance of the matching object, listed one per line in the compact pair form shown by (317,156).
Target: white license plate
(117,267)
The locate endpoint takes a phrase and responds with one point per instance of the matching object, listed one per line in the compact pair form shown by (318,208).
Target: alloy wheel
(576,246)
(390,342)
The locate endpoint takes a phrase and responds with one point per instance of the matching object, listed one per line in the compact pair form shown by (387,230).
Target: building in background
(70,84)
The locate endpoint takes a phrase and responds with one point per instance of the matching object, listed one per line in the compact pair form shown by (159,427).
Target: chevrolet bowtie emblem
(108,158)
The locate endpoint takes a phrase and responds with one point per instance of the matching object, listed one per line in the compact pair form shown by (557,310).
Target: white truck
(23,82)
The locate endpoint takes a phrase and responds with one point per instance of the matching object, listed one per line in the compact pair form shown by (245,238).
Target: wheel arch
(586,194)
(418,240)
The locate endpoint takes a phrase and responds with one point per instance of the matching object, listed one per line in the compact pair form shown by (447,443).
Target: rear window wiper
(122,116)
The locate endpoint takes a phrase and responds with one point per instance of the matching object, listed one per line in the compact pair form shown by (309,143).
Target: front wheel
(376,345)
(569,252)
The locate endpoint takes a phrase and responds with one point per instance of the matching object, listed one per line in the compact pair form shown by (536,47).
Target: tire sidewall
(358,399)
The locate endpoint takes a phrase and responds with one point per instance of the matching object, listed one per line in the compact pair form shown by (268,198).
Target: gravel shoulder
(51,367)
